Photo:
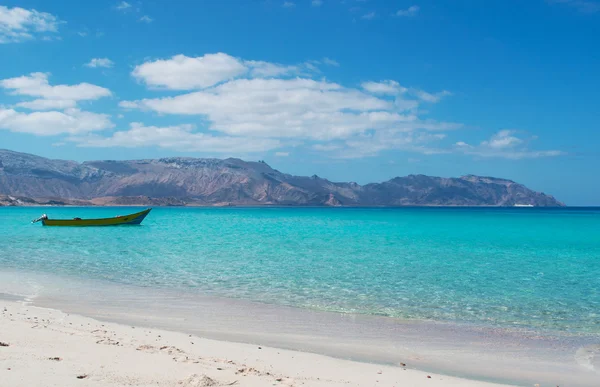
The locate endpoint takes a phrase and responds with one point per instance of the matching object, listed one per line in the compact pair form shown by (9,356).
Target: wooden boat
(78,222)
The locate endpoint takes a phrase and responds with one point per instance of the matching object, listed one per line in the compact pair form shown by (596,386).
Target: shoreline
(476,354)
(241,206)
(60,348)
(20,201)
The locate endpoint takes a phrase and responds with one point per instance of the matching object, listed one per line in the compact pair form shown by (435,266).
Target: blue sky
(348,90)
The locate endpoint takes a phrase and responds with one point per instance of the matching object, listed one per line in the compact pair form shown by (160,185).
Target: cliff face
(180,180)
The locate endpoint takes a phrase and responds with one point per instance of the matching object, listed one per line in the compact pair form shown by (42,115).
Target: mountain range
(27,179)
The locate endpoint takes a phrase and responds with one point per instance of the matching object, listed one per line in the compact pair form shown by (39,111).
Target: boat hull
(131,219)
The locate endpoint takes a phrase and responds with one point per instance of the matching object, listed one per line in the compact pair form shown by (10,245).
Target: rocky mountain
(31,179)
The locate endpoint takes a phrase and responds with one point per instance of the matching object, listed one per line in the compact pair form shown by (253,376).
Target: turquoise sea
(519,267)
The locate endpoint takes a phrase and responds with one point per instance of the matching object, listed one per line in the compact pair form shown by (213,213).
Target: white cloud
(177,137)
(316,3)
(187,73)
(48,104)
(331,62)
(184,73)
(123,5)
(146,19)
(410,11)
(282,154)
(19,24)
(289,4)
(37,85)
(504,144)
(369,16)
(100,62)
(252,106)
(300,108)
(70,121)
(271,101)
(383,87)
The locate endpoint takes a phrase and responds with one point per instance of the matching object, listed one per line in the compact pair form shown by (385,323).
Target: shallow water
(533,268)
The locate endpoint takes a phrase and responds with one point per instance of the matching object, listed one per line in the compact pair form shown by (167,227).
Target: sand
(46,347)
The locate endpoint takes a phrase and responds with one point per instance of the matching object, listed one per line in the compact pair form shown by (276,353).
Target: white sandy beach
(47,347)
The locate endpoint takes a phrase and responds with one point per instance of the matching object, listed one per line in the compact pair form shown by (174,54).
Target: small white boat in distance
(524,205)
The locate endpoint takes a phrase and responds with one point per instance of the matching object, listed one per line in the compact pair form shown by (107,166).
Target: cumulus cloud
(410,11)
(69,121)
(46,120)
(100,62)
(184,73)
(37,85)
(146,19)
(246,106)
(187,73)
(301,108)
(19,24)
(316,3)
(505,144)
(258,99)
(177,137)
(289,4)
(271,105)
